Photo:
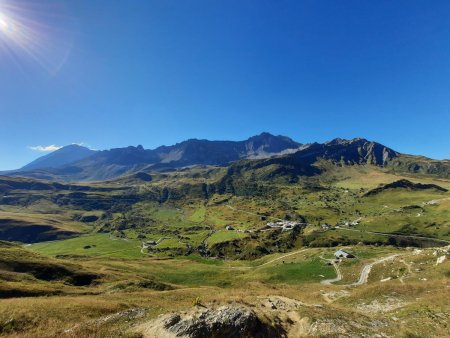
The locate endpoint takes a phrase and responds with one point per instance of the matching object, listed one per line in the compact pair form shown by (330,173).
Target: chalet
(343,254)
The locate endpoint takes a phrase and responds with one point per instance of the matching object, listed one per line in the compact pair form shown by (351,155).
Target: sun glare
(9,31)
(27,32)
(5,25)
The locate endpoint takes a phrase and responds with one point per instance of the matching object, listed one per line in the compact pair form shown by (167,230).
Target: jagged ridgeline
(266,155)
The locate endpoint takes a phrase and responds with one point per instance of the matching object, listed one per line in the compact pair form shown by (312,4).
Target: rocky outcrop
(232,321)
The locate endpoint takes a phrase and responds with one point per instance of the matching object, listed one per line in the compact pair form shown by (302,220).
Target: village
(278,225)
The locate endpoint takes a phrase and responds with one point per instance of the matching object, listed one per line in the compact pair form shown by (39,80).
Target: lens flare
(4,26)
(35,30)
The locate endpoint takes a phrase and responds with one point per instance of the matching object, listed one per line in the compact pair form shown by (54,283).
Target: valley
(151,253)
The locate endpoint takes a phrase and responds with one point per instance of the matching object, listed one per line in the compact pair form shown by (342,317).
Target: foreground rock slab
(234,321)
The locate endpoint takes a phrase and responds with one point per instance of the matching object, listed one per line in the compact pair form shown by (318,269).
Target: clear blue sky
(116,73)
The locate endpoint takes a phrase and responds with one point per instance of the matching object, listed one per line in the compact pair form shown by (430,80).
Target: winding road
(364,275)
(368,267)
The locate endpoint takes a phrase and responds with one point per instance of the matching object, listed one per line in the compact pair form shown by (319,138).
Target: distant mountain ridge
(278,155)
(197,152)
(101,165)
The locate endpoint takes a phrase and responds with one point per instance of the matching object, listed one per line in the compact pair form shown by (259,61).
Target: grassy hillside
(404,296)
(112,256)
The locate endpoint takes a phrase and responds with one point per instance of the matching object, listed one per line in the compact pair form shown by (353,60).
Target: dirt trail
(408,266)
(281,257)
(436,201)
(338,274)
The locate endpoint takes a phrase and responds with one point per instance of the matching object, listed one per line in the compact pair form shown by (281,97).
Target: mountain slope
(357,151)
(60,157)
(421,165)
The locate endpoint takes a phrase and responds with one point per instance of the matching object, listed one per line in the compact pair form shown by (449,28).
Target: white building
(343,254)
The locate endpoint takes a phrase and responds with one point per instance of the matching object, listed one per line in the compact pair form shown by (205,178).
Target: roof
(341,253)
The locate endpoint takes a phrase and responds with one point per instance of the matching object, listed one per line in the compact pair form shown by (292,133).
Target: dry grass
(354,309)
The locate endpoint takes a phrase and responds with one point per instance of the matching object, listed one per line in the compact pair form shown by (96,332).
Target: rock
(223,322)
(172,320)
(231,321)
(440,260)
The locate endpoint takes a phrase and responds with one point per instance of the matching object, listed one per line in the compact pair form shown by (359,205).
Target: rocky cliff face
(354,151)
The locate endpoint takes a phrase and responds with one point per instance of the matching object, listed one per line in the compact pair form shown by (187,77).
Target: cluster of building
(351,223)
(284,225)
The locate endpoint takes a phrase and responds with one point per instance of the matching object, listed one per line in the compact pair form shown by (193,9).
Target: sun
(10,28)
(4,24)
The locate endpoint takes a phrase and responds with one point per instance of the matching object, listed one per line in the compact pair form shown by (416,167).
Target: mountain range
(78,163)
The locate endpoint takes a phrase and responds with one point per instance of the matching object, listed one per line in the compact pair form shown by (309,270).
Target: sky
(110,73)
